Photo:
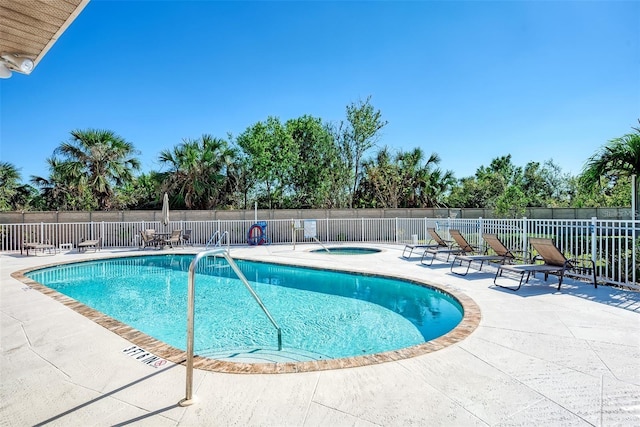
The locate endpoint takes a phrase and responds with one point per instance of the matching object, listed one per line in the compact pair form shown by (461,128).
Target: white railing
(612,244)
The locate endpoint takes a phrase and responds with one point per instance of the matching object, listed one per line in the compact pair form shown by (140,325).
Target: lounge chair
(554,262)
(499,248)
(471,254)
(86,244)
(411,247)
(442,247)
(502,254)
(35,246)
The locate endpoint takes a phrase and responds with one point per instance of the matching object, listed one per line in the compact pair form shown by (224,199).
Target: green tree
(558,186)
(241,180)
(198,172)
(64,188)
(427,184)
(381,184)
(98,158)
(402,180)
(271,156)
(483,189)
(511,203)
(318,161)
(609,193)
(619,158)
(14,195)
(9,185)
(468,193)
(29,199)
(359,134)
(141,193)
(509,188)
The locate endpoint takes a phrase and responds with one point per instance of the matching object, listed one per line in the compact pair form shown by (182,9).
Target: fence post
(424,229)
(41,240)
(594,236)
(327,233)
(525,240)
(634,230)
(635,203)
(361,230)
(396,231)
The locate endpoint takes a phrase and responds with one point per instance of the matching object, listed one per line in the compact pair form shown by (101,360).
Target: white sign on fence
(309,229)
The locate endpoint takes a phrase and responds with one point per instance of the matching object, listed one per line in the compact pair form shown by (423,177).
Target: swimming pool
(323,314)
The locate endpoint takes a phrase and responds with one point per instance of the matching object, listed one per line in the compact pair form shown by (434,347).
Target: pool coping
(470,321)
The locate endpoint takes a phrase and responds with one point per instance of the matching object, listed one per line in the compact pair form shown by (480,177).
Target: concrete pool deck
(538,357)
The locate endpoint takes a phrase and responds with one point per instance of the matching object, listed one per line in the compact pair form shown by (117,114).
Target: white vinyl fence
(612,244)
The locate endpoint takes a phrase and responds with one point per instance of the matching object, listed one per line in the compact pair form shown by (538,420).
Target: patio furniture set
(151,238)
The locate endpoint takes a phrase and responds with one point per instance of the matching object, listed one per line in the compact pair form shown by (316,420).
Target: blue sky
(469,80)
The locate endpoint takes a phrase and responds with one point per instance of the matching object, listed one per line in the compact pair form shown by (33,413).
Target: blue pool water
(328,314)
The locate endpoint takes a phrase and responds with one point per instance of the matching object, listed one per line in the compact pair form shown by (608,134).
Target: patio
(538,357)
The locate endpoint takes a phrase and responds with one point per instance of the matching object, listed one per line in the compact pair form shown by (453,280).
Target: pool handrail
(217,242)
(320,243)
(189,398)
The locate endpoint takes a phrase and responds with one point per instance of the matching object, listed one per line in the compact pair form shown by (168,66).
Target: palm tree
(426,184)
(101,157)
(401,180)
(62,189)
(619,158)
(409,168)
(9,185)
(14,195)
(198,172)
(433,185)
(383,179)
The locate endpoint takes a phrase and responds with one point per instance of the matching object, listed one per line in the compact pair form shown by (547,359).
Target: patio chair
(174,238)
(473,254)
(148,239)
(186,238)
(442,247)
(86,244)
(554,262)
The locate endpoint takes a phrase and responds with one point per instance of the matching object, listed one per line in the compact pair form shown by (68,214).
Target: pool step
(262,355)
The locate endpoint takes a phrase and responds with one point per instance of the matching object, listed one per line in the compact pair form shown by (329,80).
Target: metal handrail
(213,236)
(218,241)
(189,398)
(320,243)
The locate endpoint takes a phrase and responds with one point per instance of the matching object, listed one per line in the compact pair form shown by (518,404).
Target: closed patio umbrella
(165,210)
